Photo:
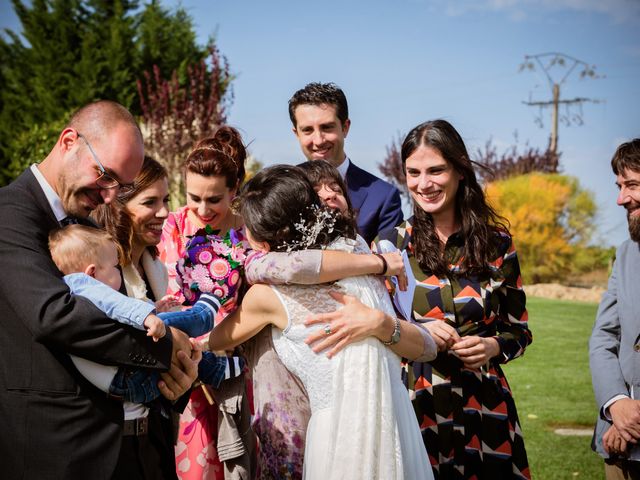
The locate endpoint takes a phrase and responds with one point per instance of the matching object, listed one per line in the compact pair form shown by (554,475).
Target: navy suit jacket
(53,423)
(377,202)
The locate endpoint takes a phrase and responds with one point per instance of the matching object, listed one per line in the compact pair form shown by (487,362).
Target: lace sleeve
(302,267)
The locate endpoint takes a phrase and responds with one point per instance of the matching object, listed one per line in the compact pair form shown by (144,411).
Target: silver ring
(327,329)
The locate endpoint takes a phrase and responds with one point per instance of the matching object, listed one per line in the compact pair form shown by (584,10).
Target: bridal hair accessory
(211,264)
(321,220)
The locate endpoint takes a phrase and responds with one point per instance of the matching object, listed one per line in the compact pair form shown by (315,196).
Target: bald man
(53,423)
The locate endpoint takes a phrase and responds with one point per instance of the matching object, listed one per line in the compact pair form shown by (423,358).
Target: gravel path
(555,290)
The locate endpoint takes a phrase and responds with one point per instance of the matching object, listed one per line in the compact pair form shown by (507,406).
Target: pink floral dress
(280,403)
(196,452)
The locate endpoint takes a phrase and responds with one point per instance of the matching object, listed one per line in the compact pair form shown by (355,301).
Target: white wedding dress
(362,425)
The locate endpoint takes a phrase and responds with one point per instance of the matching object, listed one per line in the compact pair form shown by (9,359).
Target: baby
(89,259)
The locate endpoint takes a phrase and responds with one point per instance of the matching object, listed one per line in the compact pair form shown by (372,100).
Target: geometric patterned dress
(468,417)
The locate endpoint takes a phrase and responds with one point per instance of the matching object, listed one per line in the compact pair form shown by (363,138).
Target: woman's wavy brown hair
(478,220)
(115,218)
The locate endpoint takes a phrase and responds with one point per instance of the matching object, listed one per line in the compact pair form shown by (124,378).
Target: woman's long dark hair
(279,198)
(478,221)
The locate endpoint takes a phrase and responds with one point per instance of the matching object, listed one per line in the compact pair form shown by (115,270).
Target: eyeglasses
(104,180)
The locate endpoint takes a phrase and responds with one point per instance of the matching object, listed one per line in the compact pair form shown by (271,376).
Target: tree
(391,166)
(176,116)
(71,52)
(108,64)
(167,39)
(552,220)
(38,78)
(252,166)
(513,162)
(33,145)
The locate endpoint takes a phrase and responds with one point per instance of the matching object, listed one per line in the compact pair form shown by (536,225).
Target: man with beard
(614,347)
(53,422)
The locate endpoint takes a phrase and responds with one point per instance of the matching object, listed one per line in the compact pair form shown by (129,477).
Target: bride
(362,424)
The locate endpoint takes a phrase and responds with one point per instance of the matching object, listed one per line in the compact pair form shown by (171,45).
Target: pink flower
(220,291)
(220,248)
(206,285)
(234,276)
(237,253)
(204,256)
(219,268)
(200,274)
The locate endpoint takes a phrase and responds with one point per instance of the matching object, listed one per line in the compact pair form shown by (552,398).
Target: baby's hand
(167,303)
(155,327)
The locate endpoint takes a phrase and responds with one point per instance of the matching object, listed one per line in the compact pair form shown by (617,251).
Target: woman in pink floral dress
(213,171)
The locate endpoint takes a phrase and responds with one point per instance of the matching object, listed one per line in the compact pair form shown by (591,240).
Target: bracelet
(395,336)
(385,265)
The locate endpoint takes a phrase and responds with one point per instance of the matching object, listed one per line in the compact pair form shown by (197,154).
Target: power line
(553,61)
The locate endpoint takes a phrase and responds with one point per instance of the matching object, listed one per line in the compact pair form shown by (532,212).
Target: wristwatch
(395,336)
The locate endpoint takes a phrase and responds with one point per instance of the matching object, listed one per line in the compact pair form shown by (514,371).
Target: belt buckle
(140,426)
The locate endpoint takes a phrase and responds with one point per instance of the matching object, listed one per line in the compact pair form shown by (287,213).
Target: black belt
(136,427)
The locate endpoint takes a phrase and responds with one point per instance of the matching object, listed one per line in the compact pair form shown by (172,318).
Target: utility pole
(546,62)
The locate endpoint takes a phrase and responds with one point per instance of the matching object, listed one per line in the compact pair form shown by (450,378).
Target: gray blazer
(614,347)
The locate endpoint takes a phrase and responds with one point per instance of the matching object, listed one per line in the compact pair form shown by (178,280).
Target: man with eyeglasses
(53,423)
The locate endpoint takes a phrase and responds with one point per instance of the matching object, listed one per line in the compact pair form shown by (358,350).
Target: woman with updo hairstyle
(213,172)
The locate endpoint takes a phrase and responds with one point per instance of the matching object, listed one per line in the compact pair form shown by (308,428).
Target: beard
(634,226)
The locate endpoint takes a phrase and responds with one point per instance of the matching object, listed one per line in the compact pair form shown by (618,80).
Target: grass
(552,387)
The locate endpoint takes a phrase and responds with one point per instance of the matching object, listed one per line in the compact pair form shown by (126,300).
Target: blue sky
(401,62)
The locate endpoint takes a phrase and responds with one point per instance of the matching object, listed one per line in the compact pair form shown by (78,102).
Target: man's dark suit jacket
(53,423)
(377,202)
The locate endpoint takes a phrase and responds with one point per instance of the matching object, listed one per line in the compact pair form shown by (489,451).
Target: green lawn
(552,387)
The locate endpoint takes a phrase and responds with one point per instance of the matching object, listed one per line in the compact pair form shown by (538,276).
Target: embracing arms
(259,308)
(316,266)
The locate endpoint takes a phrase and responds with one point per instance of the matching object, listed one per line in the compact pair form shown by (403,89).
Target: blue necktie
(68,221)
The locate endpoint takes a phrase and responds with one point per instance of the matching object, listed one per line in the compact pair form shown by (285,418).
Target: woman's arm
(512,326)
(260,307)
(309,267)
(356,321)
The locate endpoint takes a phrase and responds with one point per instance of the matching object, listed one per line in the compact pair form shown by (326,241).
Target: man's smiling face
(320,133)
(628,182)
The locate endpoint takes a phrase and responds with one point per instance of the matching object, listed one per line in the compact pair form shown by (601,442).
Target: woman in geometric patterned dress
(469,295)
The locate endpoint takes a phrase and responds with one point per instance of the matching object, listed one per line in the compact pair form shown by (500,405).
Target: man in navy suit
(320,118)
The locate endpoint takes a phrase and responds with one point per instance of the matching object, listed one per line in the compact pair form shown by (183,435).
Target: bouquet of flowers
(211,264)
